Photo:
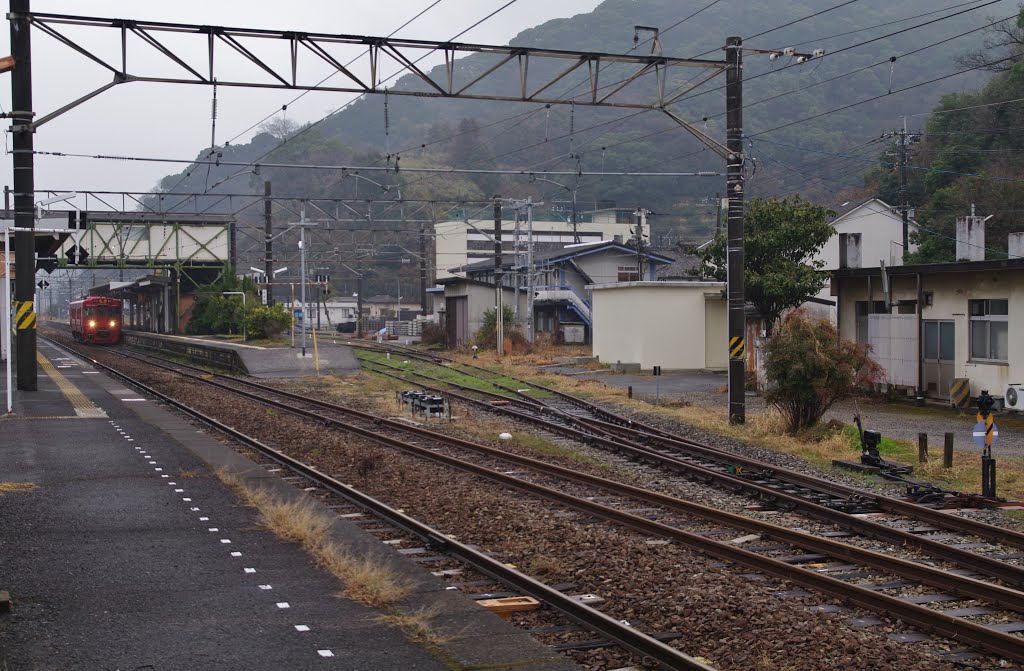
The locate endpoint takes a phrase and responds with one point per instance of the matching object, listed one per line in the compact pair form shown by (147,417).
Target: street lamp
(242,294)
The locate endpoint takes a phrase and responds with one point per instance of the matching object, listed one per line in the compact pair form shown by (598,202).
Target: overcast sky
(174,120)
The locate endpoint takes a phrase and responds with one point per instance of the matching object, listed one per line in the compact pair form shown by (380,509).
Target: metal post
(922,448)
(268,259)
(530,270)
(302,290)
(7,317)
(423,269)
(734,184)
(904,192)
(24,190)
(359,300)
(947,451)
(499,317)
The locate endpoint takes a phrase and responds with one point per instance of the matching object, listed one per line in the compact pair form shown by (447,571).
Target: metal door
(939,339)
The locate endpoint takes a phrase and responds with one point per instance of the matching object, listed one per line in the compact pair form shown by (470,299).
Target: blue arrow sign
(979,434)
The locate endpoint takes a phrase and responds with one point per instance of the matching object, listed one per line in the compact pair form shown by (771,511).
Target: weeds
(417,626)
(366,579)
(14,487)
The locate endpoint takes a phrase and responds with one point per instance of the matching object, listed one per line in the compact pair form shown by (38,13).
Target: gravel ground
(736,622)
(895,420)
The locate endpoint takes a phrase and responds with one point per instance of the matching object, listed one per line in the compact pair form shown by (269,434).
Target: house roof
(564,254)
(934,268)
(680,269)
(882,208)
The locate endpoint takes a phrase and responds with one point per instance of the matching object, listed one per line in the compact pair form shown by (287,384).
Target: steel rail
(995,641)
(628,637)
(647,432)
(1011,574)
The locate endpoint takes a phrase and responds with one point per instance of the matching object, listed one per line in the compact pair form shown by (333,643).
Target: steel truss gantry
(537,70)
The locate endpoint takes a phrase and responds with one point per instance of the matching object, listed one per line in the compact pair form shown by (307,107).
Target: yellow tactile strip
(84,408)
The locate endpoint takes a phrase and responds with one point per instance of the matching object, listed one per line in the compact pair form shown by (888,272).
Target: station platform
(122,549)
(329,357)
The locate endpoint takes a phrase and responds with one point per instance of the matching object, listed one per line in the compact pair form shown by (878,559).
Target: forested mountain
(969,152)
(783,101)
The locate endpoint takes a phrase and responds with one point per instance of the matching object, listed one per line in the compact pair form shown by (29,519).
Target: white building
(938,328)
(868,235)
(461,243)
(675,325)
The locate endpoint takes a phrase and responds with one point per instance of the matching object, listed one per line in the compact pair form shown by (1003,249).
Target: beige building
(675,325)
(460,243)
(929,325)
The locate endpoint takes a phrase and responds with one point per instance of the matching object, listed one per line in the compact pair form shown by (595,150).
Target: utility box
(573,333)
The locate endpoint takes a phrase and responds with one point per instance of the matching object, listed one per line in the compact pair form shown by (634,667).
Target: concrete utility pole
(499,317)
(423,269)
(529,269)
(735,255)
(24,191)
(268,259)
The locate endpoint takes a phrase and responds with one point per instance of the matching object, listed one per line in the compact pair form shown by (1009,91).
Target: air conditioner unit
(1013,397)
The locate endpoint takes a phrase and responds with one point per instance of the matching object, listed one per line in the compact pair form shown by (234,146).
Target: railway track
(900,522)
(826,565)
(610,630)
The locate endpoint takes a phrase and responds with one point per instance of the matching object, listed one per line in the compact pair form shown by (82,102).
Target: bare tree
(1002,46)
(280,127)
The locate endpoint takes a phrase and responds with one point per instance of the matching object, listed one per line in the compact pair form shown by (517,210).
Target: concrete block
(580,360)
(619,367)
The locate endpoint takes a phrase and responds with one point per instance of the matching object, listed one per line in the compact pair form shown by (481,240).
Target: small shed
(676,325)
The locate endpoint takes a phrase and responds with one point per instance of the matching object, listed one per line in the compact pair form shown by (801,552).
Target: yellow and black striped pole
(24,316)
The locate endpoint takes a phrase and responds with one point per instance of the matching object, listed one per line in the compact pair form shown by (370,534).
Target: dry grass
(185,474)
(417,626)
(14,487)
(300,521)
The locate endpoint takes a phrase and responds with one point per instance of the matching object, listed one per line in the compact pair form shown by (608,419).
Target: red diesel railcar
(96,320)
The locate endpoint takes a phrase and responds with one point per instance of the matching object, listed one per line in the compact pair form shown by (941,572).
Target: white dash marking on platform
(283,604)
(225,540)
(186,499)
(302,627)
(236,554)
(249,570)
(325,653)
(214,529)
(179,491)
(266,587)
(204,519)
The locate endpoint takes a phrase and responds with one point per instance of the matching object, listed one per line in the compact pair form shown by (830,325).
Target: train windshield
(102,311)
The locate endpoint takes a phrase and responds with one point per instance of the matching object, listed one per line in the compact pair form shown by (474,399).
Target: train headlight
(113,323)
(92,323)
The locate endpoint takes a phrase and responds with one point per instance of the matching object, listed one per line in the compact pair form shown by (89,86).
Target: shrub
(485,336)
(809,367)
(266,322)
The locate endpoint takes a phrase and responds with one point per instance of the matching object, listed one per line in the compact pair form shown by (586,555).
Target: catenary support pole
(531,270)
(268,258)
(24,187)
(734,259)
(499,309)
(423,269)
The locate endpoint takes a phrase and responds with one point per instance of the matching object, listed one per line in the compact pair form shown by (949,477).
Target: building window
(990,329)
(865,308)
(629,274)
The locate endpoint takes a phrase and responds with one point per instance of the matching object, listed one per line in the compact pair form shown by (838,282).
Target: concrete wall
(950,295)
(659,323)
